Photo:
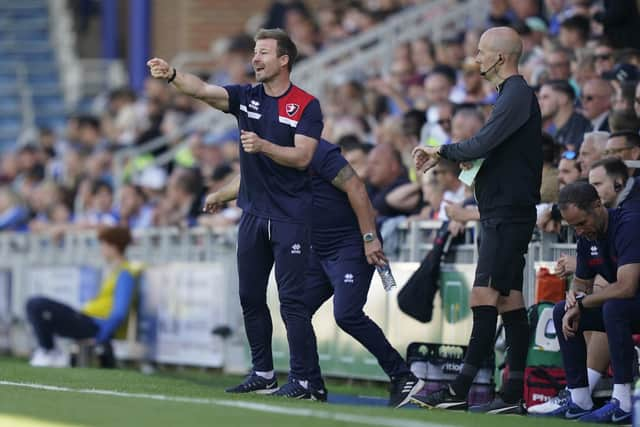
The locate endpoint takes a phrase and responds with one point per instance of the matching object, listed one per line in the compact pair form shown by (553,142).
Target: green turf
(23,407)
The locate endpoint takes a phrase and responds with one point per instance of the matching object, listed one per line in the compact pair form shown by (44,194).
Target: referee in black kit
(507,188)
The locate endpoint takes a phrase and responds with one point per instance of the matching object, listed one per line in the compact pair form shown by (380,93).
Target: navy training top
(268,189)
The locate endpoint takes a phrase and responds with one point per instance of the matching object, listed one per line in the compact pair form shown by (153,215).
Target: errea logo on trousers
(296,249)
(348,278)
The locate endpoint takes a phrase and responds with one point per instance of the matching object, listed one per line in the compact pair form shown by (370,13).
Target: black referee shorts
(503,244)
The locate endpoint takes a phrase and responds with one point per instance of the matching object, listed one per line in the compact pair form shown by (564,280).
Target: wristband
(173,76)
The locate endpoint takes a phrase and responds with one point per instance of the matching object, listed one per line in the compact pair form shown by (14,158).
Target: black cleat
(441,399)
(402,389)
(319,394)
(499,406)
(293,390)
(254,383)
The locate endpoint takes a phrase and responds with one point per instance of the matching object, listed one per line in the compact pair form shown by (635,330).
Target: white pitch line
(260,407)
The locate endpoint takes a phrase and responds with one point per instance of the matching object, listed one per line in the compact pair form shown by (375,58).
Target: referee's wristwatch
(368,237)
(579,299)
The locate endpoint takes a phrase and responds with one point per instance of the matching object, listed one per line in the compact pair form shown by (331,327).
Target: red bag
(542,383)
(549,287)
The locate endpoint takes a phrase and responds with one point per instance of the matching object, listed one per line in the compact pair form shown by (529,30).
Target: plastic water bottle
(635,406)
(388,282)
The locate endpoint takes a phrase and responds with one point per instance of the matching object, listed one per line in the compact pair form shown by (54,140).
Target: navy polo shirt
(268,189)
(619,247)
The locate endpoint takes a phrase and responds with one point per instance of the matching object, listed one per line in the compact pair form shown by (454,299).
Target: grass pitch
(91,397)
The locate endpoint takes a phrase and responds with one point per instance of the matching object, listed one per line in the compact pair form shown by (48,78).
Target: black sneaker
(319,394)
(254,383)
(441,399)
(401,389)
(499,406)
(293,390)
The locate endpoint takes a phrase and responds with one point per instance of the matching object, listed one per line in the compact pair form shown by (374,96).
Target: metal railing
(162,245)
(63,39)
(26,108)
(372,50)
(33,264)
(209,120)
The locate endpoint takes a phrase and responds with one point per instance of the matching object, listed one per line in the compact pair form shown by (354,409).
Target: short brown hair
(285,46)
(120,237)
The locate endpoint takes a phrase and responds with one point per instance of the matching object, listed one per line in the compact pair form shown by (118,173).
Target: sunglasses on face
(589,98)
(569,155)
(613,151)
(603,57)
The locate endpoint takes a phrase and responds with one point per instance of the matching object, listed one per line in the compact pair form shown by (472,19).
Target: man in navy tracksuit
(344,248)
(280,126)
(608,245)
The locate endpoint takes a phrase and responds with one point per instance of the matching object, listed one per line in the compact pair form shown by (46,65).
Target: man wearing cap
(622,73)
(567,126)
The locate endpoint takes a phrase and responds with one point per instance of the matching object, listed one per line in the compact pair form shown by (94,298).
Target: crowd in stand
(585,73)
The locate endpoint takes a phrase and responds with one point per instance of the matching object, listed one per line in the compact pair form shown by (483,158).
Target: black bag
(416,297)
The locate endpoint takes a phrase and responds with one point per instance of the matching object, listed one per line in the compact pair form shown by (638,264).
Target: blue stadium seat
(8,78)
(48,100)
(10,124)
(30,57)
(49,79)
(8,24)
(54,121)
(85,104)
(24,34)
(9,102)
(25,13)
(9,90)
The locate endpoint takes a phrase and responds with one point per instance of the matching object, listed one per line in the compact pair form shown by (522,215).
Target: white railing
(26,110)
(181,263)
(372,50)
(63,39)
(26,101)
(207,120)
(100,75)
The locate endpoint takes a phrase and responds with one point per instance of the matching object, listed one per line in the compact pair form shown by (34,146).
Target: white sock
(581,397)
(622,392)
(594,377)
(304,383)
(267,375)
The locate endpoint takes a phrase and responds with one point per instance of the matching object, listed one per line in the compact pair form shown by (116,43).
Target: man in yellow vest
(100,319)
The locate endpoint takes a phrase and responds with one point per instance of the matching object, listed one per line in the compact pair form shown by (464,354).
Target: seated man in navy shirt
(608,245)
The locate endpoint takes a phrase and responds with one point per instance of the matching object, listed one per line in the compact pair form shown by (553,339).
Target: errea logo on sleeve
(296,249)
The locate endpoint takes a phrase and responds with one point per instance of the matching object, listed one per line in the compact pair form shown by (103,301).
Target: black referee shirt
(508,183)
